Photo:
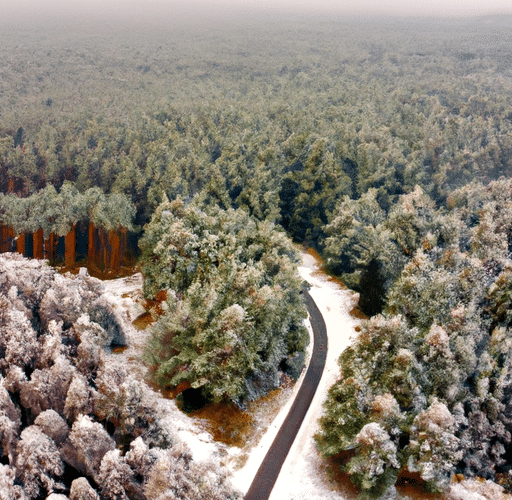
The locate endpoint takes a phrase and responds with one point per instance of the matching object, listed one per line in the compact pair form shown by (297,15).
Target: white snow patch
(125,294)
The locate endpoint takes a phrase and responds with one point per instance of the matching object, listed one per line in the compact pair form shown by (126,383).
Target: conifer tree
(233,315)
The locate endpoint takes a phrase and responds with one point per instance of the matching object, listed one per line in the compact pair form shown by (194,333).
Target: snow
(126,295)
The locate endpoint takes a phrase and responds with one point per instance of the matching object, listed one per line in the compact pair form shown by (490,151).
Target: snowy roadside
(303,474)
(299,477)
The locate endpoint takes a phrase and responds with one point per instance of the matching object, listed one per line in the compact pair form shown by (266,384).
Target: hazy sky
(401,7)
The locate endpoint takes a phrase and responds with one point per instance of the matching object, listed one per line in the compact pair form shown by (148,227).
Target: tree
(233,315)
(361,249)
(310,190)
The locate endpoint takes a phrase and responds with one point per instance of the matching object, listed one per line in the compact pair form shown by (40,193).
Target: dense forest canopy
(386,145)
(259,125)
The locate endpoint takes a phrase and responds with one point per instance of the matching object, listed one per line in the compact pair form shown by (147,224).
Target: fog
(124,8)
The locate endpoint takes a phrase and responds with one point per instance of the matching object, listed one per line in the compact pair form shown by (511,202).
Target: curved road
(266,476)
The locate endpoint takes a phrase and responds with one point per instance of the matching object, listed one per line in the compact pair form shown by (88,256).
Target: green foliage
(114,211)
(375,468)
(55,212)
(310,189)
(433,372)
(233,312)
(369,247)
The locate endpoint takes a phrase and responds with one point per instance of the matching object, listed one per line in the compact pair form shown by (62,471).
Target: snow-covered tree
(38,463)
(62,406)
(233,315)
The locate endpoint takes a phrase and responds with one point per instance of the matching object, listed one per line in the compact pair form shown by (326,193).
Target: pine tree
(233,316)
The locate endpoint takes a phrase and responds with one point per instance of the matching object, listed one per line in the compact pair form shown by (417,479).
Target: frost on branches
(71,427)
(430,377)
(233,319)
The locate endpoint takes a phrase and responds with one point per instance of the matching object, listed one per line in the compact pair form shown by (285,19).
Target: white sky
(400,7)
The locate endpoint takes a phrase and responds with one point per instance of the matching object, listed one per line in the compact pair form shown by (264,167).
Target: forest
(199,151)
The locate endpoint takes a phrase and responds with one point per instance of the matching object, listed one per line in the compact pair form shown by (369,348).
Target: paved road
(266,476)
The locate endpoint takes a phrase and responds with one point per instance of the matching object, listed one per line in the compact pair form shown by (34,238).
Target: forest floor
(240,439)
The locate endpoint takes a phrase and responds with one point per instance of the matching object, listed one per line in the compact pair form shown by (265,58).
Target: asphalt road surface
(268,472)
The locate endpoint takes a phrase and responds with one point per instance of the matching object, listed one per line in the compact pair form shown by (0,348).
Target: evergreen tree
(233,315)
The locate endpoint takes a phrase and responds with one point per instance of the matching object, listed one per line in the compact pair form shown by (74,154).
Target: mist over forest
(200,150)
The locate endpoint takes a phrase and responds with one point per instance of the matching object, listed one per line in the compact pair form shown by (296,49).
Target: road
(268,472)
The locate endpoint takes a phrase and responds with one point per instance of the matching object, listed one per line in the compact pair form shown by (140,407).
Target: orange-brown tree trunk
(53,247)
(123,248)
(103,249)
(115,251)
(11,185)
(50,245)
(90,245)
(38,244)
(4,244)
(20,244)
(70,248)
(3,239)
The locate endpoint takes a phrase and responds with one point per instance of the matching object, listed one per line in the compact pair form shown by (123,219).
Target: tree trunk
(103,250)
(70,248)
(38,244)
(4,239)
(50,248)
(90,246)
(123,248)
(114,263)
(20,244)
